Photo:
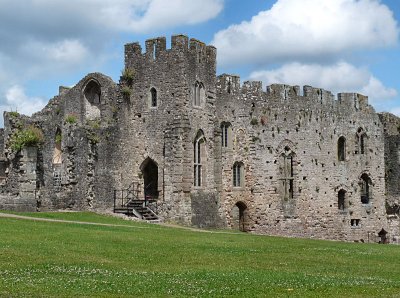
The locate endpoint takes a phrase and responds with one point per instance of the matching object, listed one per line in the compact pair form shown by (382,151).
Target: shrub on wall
(71,119)
(254,121)
(13,114)
(127,75)
(58,138)
(26,137)
(126,92)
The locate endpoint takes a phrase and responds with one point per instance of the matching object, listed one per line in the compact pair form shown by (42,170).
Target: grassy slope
(64,260)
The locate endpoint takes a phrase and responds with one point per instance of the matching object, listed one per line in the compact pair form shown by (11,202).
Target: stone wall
(265,124)
(280,160)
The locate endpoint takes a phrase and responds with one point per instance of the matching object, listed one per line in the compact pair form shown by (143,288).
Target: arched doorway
(150,179)
(239,214)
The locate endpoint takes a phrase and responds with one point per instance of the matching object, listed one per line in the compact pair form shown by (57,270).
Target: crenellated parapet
(181,47)
(353,100)
(229,86)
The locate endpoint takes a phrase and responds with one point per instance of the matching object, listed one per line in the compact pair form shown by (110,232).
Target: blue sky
(338,45)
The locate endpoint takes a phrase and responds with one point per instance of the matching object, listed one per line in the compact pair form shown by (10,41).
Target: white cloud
(17,100)
(339,77)
(88,16)
(144,16)
(395,111)
(308,29)
(377,90)
(44,38)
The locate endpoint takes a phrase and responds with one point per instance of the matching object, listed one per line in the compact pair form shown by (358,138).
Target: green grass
(53,259)
(83,217)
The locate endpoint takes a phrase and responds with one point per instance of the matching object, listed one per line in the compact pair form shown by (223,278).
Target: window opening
(365,189)
(355,222)
(238,174)
(360,138)
(93,92)
(198,153)
(198,94)
(57,153)
(341,148)
(287,174)
(341,199)
(153,94)
(3,167)
(226,131)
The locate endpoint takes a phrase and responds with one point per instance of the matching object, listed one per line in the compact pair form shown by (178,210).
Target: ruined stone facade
(212,152)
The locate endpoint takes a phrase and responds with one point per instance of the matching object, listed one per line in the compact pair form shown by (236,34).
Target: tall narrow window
(360,141)
(154,51)
(341,148)
(365,189)
(341,199)
(153,97)
(198,94)
(202,94)
(238,174)
(57,159)
(3,168)
(198,154)
(226,134)
(286,170)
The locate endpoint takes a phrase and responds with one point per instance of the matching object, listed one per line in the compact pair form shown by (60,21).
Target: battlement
(181,46)
(231,84)
(353,100)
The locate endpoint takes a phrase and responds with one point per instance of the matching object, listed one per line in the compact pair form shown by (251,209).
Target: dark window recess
(153,93)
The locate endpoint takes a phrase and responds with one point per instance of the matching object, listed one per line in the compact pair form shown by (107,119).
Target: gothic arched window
(153,97)
(198,159)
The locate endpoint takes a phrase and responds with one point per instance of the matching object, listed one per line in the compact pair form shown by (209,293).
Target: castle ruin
(176,141)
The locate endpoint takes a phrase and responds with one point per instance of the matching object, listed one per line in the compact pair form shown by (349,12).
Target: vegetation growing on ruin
(93,137)
(254,121)
(126,92)
(54,259)
(71,119)
(95,123)
(128,75)
(58,137)
(13,114)
(26,137)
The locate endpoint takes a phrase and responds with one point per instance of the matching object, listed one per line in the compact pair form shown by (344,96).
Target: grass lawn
(53,259)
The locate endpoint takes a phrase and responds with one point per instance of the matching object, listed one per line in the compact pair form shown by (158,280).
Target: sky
(337,45)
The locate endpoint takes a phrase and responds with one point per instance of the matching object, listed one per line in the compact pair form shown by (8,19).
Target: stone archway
(149,170)
(239,217)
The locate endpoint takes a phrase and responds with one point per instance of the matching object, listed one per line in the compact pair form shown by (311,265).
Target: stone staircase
(126,201)
(138,209)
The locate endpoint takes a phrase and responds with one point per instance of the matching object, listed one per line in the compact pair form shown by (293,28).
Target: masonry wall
(166,133)
(391,125)
(264,124)
(284,139)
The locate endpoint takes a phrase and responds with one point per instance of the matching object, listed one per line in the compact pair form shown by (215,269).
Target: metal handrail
(122,197)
